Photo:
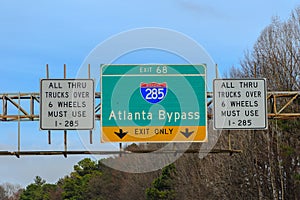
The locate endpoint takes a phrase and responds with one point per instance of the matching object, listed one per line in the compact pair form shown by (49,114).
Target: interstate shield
(153,92)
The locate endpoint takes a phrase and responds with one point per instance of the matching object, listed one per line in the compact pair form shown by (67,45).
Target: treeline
(268,168)
(94,180)
(253,174)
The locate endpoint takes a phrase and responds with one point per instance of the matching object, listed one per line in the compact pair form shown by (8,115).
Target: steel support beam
(155,151)
(281,105)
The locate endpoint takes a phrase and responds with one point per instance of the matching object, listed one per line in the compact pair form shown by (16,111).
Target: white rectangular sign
(67,104)
(240,104)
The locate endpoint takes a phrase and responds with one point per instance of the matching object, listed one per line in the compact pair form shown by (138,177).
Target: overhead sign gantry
(20,107)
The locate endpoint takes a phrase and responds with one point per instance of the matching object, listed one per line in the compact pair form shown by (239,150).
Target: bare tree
(276,154)
(276,54)
(2,193)
(10,191)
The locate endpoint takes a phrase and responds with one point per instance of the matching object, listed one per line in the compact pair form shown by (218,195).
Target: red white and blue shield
(153,92)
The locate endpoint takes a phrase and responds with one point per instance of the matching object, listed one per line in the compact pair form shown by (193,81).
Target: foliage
(39,190)
(71,187)
(75,186)
(162,187)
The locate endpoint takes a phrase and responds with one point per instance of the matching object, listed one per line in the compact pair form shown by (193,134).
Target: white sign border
(72,79)
(265,104)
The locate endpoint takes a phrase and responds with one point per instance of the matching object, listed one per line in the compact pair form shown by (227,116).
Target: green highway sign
(153,103)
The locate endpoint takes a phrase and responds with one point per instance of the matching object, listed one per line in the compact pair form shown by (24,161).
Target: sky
(35,33)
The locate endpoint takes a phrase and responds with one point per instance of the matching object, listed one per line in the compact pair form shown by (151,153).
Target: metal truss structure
(21,107)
